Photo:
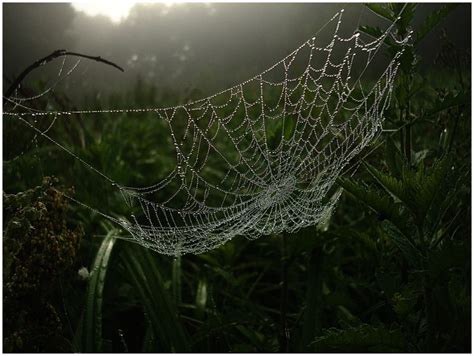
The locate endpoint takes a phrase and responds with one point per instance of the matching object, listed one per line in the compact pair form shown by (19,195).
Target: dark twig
(56,54)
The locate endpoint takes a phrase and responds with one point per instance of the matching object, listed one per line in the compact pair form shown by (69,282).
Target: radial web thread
(261,157)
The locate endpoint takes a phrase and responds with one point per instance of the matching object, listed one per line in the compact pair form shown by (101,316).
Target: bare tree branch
(56,54)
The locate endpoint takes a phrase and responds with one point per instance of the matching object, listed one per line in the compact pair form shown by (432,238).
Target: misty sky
(185,46)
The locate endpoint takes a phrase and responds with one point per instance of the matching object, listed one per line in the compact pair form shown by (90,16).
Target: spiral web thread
(261,157)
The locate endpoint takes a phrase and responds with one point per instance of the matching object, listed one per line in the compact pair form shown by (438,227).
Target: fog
(185,46)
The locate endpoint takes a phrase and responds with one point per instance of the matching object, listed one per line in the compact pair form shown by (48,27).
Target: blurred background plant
(388,272)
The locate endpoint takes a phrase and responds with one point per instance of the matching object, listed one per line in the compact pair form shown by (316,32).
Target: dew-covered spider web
(260,157)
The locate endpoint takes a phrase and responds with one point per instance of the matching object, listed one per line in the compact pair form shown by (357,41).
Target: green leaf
(455,183)
(430,183)
(406,11)
(404,243)
(381,204)
(92,322)
(376,32)
(391,184)
(393,158)
(149,340)
(254,337)
(382,10)
(416,189)
(289,128)
(373,31)
(363,338)
(143,272)
(404,302)
(176,279)
(329,201)
(201,298)
(432,20)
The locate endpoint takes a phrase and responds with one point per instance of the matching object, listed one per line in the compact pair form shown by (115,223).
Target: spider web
(261,157)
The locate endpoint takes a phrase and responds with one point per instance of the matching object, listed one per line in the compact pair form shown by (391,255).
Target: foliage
(92,323)
(38,248)
(363,338)
(143,272)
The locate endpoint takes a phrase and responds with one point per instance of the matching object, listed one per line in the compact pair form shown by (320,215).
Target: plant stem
(176,280)
(408,139)
(427,295)
(312,314)
(285,331)
(402,139)
(407,131)
(453,131)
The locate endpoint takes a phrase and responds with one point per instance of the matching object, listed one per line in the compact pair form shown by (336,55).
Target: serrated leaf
(384,205)
(373,31)
(406,12)
(455,183)
(363,338)
(390,184)
(404,243)
(376,32)
(382,10)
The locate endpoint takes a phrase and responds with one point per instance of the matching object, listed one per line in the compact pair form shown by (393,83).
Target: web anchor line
(260,157)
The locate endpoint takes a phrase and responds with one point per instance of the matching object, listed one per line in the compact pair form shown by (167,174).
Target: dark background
(186,46)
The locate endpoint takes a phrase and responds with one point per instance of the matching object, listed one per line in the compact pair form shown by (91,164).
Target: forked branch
(56,54)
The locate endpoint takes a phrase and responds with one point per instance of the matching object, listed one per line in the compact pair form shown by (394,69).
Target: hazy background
(184,46)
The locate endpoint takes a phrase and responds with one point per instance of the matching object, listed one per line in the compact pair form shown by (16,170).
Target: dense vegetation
(388,272)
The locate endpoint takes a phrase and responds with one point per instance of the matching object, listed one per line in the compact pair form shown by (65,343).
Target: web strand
(278,142)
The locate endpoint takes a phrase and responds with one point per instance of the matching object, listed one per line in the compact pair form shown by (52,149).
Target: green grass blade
(143,273)
(201,298)
(92,323)
(149,341)
(176,280)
